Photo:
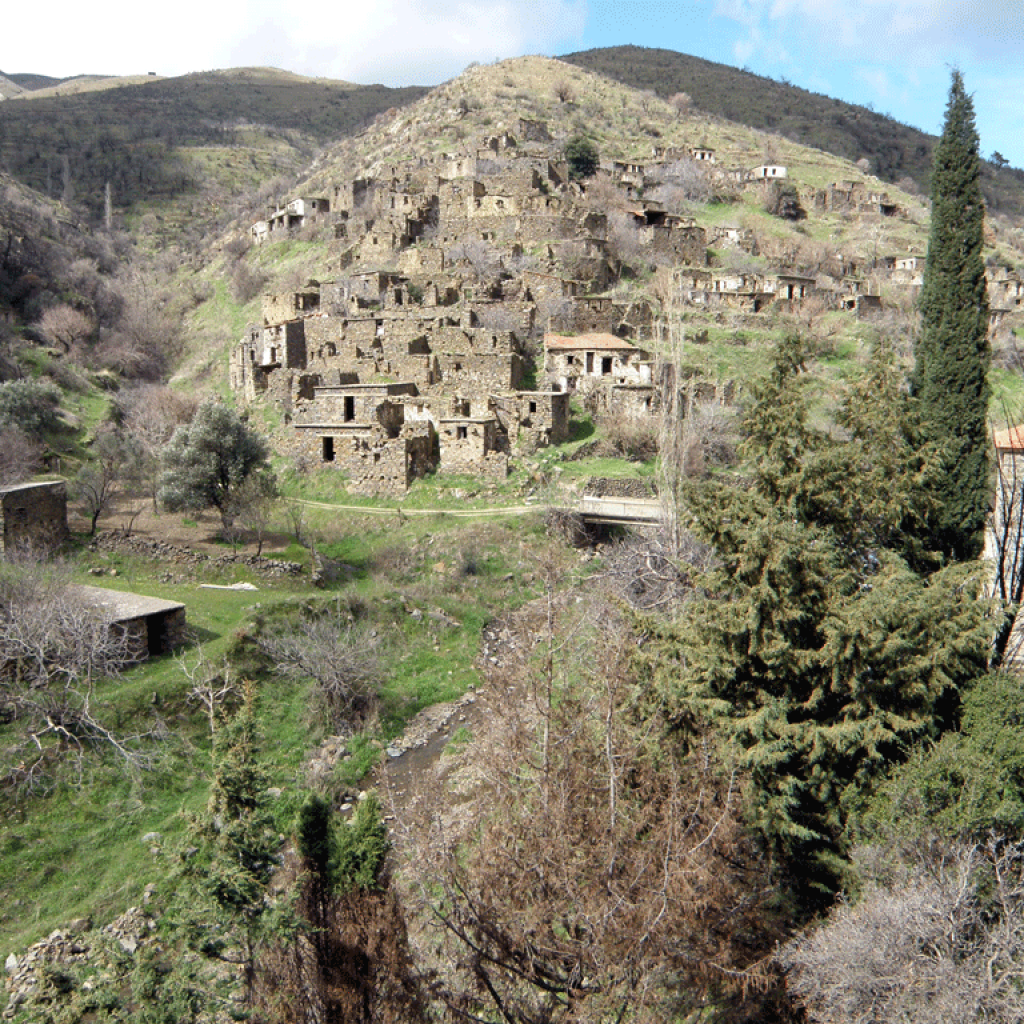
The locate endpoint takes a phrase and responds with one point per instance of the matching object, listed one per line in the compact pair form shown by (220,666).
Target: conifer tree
(231,913)
(952,355)
(815,648)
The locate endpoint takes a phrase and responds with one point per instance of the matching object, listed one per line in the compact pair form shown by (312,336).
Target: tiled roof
(1010,440)
(606,342)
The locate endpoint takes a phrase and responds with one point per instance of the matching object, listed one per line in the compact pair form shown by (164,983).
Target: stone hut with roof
(152,625)
(586,361)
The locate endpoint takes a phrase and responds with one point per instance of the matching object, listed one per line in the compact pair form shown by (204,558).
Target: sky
(892,55)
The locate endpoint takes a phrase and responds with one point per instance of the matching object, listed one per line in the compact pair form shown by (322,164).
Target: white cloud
(396,42)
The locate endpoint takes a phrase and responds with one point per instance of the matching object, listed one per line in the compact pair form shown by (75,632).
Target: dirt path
(413,513)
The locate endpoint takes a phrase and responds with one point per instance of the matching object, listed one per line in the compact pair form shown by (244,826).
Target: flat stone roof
(119,606)
(1010,440)
(38,485)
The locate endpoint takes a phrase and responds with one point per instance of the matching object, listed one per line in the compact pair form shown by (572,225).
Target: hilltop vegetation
(896,152)
(152,142)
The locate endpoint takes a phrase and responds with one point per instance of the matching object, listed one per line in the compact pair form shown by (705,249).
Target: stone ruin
(418,352)
(33,517)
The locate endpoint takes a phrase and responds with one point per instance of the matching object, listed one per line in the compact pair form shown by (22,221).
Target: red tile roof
(607,342)
(1009,440)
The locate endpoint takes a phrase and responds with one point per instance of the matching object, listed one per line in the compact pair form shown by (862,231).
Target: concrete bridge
(616,511)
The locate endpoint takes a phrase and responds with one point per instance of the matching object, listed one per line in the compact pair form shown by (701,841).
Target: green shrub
(31,406)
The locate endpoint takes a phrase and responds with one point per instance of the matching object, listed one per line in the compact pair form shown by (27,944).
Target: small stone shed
(33,516)
(154,626)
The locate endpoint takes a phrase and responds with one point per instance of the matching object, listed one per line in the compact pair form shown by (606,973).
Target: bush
(31,406)
(583,158)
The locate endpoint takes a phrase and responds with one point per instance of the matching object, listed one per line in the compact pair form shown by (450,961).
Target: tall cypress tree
(952,355)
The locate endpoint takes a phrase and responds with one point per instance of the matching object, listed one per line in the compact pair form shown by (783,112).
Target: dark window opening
(533,407)
(350,408)
(461,433)
(606,365)
(328,449)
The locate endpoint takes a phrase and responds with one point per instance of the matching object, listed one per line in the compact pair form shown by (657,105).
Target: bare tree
(54,648)
(253,506)
(935,937)
(152,412)
(115,462)
(67,327)
(685,181)
(481,256)
(681,103)
(599,874)
(340,657)
(565,91)
(20,455)
(147,333)
(217,693)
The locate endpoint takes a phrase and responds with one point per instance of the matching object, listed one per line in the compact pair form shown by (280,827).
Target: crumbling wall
(34,516)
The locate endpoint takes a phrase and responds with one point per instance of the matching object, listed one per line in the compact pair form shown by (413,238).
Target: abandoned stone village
(466,301)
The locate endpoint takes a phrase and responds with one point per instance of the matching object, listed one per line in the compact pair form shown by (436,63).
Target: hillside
(454,327)
(839,240)
(895,151)
(159,139)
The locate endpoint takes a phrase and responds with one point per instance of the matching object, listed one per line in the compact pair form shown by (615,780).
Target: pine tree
(231,914)
(815,647)
(952,356)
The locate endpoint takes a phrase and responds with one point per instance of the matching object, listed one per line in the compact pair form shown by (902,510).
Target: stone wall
(373,462)
(472,446)
(276,309)
(533,419)
(34,516)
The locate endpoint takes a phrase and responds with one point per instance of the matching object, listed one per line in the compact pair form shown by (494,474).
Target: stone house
(853,197)
(588,361)
(530,130)
(767,172)
(1005,289)
(1004,541)
(290,217)
(472,444)
(628,172)
(861,303)
(908,270)
(533,419)
(730,290)
(278,309)
(33,516)
(790,287)
(153,626)
(702,154)
(362,430)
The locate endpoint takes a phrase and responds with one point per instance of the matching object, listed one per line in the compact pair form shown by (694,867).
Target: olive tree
(209,460)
